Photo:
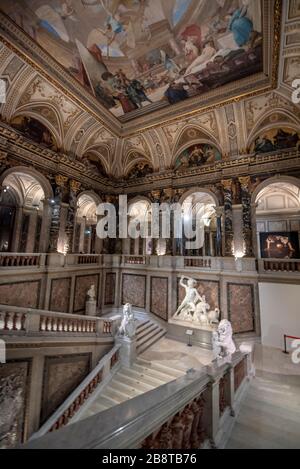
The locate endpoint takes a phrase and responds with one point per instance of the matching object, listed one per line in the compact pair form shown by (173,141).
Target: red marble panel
(110,286)
(241,307)
(62,374)
(134,290)
(159,297)
(14,391)
(60,295)
(24,294)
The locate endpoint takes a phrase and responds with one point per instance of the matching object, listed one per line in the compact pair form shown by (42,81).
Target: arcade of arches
(185,125)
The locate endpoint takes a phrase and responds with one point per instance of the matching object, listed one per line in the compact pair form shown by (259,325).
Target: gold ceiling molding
(14,38)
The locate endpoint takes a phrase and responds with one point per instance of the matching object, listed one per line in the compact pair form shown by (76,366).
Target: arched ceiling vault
(231,128)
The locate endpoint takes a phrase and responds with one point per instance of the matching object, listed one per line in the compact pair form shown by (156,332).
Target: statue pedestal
(128,350)
(91,308)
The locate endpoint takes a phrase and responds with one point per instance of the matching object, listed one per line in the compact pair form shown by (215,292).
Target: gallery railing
(17,320)
(14,259)
(193,411)
(279,265)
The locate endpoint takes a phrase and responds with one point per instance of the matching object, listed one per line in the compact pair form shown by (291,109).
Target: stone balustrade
(26,320)
(191,412)
(279,265)
(136,260)
(199,262)
(14,259)
(61,261)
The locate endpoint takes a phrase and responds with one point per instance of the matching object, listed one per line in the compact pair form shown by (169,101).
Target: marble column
(228,225)
(45,228)
(17,229)
(56,206)
(211,244)
(31,230)
(219,213)
(82,234)
(245,183)
(70,227)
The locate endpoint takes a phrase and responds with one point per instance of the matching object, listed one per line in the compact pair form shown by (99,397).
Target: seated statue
(128,325)
(223,345)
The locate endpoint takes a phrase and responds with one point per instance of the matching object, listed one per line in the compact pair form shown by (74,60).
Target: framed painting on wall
(279,245)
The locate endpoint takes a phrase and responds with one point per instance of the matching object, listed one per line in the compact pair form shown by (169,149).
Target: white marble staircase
(127,383)
(148,332)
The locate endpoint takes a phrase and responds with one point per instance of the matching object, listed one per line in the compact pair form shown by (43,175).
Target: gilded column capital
(245,182)
(75,185)
(227,184)
(61,180)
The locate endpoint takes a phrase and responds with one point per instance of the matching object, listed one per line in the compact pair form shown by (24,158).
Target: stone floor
(270,414)
(171,352)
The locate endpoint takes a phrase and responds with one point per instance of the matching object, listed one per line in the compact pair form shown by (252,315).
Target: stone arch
(197,189)
(30,110)
(190,144)
(198,134)
(278,179)
(259,128)
(137,158)
(273,180)
(86,202)
(96,151)
(42,180)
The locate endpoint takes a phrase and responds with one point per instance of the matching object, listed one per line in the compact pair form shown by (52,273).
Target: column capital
(226,184)
(245,182)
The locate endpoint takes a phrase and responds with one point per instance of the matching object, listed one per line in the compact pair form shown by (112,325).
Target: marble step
(118,383)
(171,371)
(163,377)
(119,396)
(150,341)
(145,332)
(102,400)
(139,384)
(148,379)
(143,325)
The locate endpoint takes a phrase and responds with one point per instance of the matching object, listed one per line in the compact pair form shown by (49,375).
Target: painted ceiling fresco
(138,56)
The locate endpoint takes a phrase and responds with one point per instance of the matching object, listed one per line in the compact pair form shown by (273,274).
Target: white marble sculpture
(91,293)
(222,343)
(194,307)
(213,316)
(128,324)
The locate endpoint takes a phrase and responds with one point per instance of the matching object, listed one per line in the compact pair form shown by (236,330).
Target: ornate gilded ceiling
(85,135)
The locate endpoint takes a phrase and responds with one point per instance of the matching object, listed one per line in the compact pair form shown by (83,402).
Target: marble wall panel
(240,299)
(25,294)
(110,287)
(134,290)
(82,285)
(60,294)
(14,393)
(62,374)
(159,297)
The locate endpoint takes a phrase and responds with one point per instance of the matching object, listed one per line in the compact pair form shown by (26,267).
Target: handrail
(285,336)
(134,423)
(18,319)
(78,397)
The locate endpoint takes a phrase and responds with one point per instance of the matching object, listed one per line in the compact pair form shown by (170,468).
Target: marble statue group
(194,307)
